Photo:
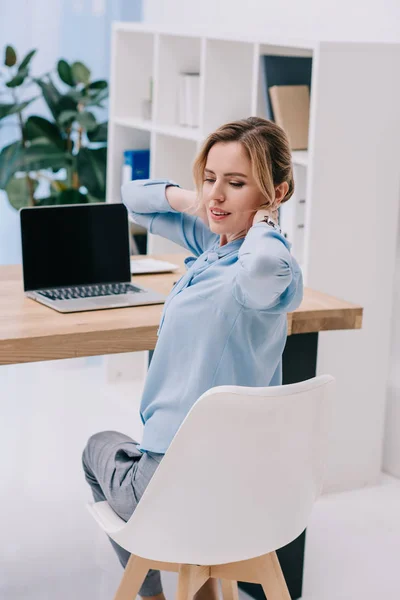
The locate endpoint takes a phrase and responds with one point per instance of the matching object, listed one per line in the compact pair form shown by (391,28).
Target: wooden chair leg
(272,579)
(191,579)
(229,589)
(135,572)
(265,570)
(208,591)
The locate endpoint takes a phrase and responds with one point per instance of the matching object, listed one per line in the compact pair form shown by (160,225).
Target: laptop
(75,257)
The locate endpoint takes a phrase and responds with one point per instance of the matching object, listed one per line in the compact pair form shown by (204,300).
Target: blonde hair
(268,149)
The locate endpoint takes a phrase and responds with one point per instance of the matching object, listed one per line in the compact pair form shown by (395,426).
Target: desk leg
(151,352)
(299,364)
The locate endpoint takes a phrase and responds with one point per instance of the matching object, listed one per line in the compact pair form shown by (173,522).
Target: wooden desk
(31,332)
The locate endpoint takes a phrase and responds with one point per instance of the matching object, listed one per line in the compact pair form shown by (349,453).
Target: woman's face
(229,188)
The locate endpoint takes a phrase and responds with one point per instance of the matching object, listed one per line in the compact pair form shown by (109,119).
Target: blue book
(285,70)
(136,165)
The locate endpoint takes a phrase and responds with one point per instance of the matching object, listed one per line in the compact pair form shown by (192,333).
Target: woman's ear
(280,192)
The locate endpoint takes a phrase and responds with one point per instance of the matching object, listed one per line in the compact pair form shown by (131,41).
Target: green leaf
(67,117)
(99,134)
(10,57)
(18,79)
(93,199)
(76,95)
(18,192)
(95,99)
(65,72)
(10,161)
(51,95)
(15,158)
(6,110)
(100,84)
(66,103)
(38,127)
(39,140)
(48,201)
(71,196)
(87,120)
(44,156)
(24,64)
(92,170)
(80,73)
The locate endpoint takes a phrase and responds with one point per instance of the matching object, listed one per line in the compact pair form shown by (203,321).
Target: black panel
(299,364)
(300,358)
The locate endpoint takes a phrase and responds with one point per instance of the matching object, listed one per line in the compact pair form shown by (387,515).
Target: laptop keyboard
(90,291)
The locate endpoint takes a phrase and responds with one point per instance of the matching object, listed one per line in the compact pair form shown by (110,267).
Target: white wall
(326,19)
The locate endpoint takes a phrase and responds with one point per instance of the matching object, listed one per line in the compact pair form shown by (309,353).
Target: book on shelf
(291,106)
(282,70)
(188,99)
(136,165)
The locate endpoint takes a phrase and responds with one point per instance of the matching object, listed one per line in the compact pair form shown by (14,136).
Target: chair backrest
(240,477)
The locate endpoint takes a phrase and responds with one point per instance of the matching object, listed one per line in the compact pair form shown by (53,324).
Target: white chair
(237,483)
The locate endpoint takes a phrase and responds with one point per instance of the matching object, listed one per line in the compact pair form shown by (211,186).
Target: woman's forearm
(185,201)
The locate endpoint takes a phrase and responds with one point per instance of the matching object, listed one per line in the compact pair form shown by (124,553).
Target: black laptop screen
(70,245)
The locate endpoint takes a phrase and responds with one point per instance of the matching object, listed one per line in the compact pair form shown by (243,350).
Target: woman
(225,320)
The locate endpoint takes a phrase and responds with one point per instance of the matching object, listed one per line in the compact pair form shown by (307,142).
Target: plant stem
(75,177)
(69,150)
(75,180)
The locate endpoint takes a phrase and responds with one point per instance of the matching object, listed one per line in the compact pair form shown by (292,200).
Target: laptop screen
(80,244)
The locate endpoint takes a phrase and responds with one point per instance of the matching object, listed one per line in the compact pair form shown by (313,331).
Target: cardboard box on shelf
(291,107)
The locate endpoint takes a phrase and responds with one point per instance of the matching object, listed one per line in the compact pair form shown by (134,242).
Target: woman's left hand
(260,214)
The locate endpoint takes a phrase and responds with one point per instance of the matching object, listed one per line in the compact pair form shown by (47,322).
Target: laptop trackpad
(103,302)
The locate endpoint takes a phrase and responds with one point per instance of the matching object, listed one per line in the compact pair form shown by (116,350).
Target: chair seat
(108,520)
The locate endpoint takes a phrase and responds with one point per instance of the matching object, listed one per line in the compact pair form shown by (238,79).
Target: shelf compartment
(228,73)
(122,138)
(173,159)
(175,55)
(131,73)
(133,123)
(186,133)
(300,157)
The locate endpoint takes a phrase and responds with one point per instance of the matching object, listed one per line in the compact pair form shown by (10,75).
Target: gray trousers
(119,473)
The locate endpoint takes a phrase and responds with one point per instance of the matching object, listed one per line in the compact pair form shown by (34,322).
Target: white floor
(50,549)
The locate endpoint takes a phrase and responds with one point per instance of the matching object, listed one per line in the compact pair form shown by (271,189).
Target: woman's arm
(147,204)
(181,200)
(267,275)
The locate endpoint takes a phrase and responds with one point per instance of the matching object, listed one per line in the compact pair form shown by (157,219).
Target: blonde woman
(225,320)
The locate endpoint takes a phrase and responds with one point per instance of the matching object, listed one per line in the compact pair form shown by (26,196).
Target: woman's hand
(260,214)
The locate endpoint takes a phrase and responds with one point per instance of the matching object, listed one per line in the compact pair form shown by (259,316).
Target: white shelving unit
(351,185)
(229,68)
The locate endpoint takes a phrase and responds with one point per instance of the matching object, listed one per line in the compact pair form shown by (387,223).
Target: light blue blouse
(223,323)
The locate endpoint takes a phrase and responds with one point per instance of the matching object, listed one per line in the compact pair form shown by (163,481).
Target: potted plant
(68,150)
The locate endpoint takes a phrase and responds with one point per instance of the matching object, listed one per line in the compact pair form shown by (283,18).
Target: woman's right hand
(185,201)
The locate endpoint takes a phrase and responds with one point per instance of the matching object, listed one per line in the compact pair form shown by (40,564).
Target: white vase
(10,233)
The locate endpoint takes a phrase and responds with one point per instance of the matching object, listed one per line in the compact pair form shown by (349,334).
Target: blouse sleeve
(267,275)
(148,206)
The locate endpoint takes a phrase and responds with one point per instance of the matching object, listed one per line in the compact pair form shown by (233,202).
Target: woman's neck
(225,238)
